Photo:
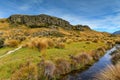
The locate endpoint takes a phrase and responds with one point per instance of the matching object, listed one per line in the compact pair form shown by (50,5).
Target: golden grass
(60,45)
(11,43)
(110,73)
(26,72)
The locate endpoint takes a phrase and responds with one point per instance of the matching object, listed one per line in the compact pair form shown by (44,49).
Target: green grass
(10,63)
(4,50)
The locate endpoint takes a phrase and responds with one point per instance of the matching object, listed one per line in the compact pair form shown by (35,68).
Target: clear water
(90,73)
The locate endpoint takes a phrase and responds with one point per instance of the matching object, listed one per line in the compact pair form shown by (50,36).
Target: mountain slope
(117,32)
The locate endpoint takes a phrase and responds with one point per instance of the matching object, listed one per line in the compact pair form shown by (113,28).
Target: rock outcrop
(81,27)
(37,21)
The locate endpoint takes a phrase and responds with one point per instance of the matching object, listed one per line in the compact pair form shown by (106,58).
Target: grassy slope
(11,62)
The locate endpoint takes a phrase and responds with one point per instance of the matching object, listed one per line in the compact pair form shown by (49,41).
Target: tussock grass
(40,44)
(60,45)
(62,66)
(110,73)
(11,43)
(81,59)
(46,70)
(26,72)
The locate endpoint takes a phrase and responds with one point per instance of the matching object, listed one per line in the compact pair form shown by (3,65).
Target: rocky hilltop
(43,20)
(81,27)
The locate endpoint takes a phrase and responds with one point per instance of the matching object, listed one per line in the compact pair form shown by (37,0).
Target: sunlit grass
(11,62)
(4,50)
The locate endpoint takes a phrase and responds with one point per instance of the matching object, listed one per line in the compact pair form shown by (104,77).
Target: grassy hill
(49,51)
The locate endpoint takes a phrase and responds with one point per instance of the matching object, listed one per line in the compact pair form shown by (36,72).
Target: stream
(90,73)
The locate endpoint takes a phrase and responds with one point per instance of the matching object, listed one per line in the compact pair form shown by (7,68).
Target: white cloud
(108,23)
(103,15)
(25,7)
(30,4)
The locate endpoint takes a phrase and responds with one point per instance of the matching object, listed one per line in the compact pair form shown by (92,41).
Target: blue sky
(101,15)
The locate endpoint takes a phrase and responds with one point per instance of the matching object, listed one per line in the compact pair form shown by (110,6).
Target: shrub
(60,45)
(11,43)
(80,59)
(62,66)
(41,45)
(95,54)
(95,41)
(46,70)
(83,58)
(68,41)
(50,43)
(88,42)
(116,57)
(101,50)
(110,73)
(27,72)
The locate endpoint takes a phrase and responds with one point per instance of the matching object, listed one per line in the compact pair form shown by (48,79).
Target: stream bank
(91,72)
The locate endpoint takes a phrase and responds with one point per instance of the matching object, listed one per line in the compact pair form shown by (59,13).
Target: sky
(100,15)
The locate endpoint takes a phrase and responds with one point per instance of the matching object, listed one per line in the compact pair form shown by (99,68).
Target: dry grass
(39,43)
(68,41)
(26,72)
(62,66)
(96,54)
(46,70)
(80,59)
(60,45)
(110,73)
(11,43)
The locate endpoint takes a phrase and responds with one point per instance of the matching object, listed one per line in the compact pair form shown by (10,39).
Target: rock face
(36,21)
(117,32)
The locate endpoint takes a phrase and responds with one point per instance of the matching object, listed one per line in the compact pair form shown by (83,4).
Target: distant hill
(43,20)
(117,32)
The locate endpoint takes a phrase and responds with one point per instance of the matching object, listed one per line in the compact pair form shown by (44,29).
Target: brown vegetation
(11,43)
(110,73)
(60,45)
(26,72)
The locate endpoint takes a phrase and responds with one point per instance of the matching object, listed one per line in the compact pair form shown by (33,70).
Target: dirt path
(10,52)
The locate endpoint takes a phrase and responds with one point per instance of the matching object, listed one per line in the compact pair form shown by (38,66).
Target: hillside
(43,20)
(117,32)
(38,46)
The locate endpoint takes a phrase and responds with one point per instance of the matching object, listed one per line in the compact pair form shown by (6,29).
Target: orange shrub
(11,43)
(41,45)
